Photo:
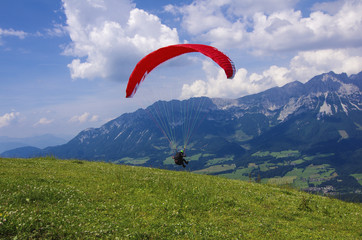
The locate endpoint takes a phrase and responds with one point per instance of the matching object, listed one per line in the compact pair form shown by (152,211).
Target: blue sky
(64,64)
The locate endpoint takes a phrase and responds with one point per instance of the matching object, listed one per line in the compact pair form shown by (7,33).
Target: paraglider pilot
(179,158)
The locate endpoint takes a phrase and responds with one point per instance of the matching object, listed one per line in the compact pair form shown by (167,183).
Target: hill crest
(41,198)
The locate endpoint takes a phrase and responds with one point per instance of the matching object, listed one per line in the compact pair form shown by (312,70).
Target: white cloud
(109,34)
(250,7)
(242,84)
(225,23)
(43,121)
(201,16)
(310,63)
(109,37)
(224,37)
(288,30)
(8,118)
(94,118)
(302,68)
(273,26)
(329,7)
(11,32)
(328,39)
(58,30)
(85,117)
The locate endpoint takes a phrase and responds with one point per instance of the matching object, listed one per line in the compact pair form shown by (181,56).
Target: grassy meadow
(46,198)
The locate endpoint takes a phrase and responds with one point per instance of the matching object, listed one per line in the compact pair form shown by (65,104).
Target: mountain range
(40,141)
(306,135)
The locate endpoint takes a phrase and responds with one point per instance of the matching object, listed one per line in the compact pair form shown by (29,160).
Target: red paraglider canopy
(152,60)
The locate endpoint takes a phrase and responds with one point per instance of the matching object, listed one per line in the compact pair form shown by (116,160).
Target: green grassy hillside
(70,199)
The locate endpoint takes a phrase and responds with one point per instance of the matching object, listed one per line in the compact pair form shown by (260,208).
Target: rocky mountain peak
(332,82)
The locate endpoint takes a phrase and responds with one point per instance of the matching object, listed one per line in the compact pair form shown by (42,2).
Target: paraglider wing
(152,60)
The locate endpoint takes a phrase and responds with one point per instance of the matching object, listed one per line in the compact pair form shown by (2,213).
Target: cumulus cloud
(271,26)
(201,16)
(43,121)
(288,30)
(205,15)
(109,37)
(242,84)
(85,117)
(8,118)
(225,23)
(328,39)
(310,63)
(302,67)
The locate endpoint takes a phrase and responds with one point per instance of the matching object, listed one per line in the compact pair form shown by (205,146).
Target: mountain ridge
(40,141)
(319,122)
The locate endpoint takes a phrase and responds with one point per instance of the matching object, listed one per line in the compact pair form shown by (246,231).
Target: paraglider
(152,60)
(188,113)
(179,158)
